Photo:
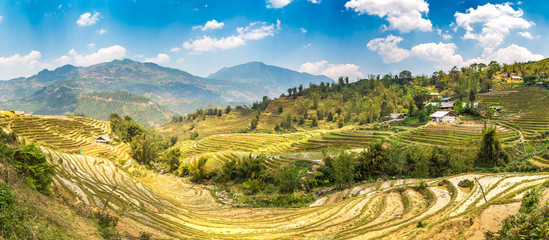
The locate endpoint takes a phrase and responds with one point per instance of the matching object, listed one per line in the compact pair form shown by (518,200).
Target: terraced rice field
(70,134)
(446,134)
(224,147)
(525,109)
(171,208)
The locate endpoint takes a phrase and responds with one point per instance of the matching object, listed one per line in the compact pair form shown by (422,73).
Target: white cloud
(512,54)
(277,3)
(333,71)
(496,21)
(442,53)
(303,30)
(306,45)
(19,66)
(160,58)
(175,49)
(206,44)
(402,15)
(1,18)
(101,31)
(526,35)
(102,55)
(388,49)
(254,31)
(315,1)
(445,35)
(91,45)
(86,19)
(213,24)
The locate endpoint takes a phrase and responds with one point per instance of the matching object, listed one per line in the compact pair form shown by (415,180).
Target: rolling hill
(266,80)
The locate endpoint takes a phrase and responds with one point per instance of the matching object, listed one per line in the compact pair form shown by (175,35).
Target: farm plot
(63,133)
(171,208)
(446,134)
(525,109)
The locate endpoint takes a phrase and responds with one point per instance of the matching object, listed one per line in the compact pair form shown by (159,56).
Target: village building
(516,78)
(395,117)
(448,99)
(444,116)
(102,139)
(433,96)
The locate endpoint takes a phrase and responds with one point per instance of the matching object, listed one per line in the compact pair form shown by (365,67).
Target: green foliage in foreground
(31,162)
(531,222)
(12,216)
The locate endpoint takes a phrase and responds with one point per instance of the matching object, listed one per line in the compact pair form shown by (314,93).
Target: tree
(419,99)
(287,178)
(372,161)
(171,158)
(144,149)
(228,109)
(491,152)
(343,169)
(198,170)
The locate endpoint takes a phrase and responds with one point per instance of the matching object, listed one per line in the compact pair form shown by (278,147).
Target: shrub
(12,217)
(466,183)
(198,170)
(32,164)
(107,224)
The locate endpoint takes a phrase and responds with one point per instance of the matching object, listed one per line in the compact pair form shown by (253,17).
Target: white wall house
(444,116)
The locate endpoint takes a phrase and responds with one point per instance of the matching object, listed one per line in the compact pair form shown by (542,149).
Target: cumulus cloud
(213,24)
(526,35)
(254,31)
(101,31)
(512,54)
(175,49)
(303,30)
(87,19)
(277,3)
(442,53)
(402,15)
(160,58)
(18,65)
(496,21)
(388,49)
(102,55)
(333,71)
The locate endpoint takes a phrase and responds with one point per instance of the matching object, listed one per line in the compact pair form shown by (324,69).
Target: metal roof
(439,114)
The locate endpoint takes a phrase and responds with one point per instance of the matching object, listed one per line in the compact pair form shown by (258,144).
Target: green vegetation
(12,216)
(531,222)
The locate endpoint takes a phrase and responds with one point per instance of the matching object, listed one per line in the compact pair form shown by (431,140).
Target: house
(102,139)
(433,95)
(444,116)
(448,99)
(445,106)
(516,78)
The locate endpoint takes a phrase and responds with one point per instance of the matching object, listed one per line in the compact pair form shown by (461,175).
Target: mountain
(262,79)
(70,89)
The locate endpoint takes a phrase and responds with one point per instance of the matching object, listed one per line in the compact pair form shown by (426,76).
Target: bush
(12,217)
(466,183)
(32,164)
(107,224)
(530,222)
(198,170)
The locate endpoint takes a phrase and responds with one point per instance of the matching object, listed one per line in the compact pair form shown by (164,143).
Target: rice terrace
(95,145)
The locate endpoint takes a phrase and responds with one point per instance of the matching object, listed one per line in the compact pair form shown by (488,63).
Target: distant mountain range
(134,88)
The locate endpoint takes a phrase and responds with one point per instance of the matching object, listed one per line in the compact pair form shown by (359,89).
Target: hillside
(266,80)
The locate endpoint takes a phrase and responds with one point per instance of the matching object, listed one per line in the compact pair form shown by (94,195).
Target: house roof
(103,137)
(447,98)
(439,114)
(395,115)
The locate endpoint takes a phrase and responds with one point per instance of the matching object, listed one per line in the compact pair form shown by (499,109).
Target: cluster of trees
(377,161)
(146,145)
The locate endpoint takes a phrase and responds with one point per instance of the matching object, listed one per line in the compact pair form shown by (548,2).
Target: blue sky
(330,37)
